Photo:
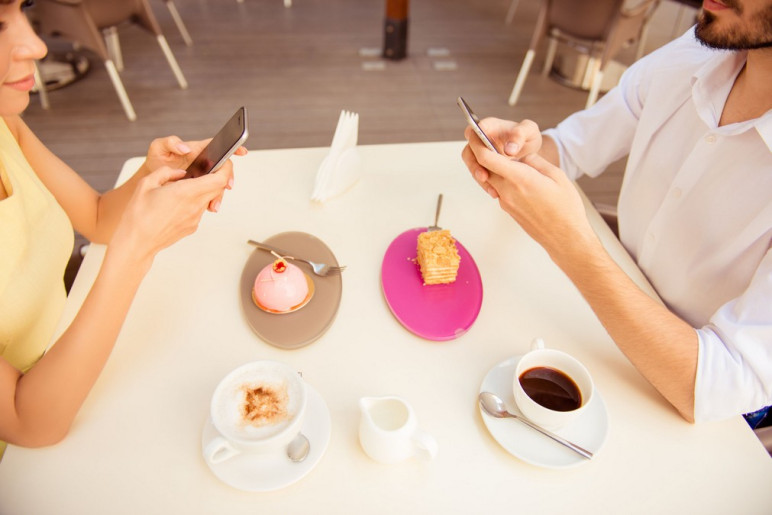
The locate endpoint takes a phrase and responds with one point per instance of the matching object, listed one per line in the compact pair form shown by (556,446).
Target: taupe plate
(304,326)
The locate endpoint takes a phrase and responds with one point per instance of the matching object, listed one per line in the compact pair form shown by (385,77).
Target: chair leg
(679,19)
(41,88)
(590,69)
(118,85)
(552,49)
(518,87)
(172,61)
(641,49)
(595,88)
(178,21)
(113,46)
(511,11)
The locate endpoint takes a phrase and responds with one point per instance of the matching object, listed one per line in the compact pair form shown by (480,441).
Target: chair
(686,5)
(87,21)
(511,11)
(765,435)
(287,3)
(178,21)
(609,214)
(599,28)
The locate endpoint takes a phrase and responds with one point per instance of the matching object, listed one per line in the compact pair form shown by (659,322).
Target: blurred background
(295,67)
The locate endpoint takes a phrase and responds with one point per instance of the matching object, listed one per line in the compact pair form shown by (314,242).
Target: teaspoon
(298,448)
(495,407)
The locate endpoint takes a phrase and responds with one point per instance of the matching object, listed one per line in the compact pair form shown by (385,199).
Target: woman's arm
(38,407)
(152,211)
(93,215)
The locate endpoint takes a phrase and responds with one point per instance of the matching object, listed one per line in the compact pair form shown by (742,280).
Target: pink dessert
(280,287)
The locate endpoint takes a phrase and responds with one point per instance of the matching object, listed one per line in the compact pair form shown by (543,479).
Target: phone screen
(472,120)
(223,145)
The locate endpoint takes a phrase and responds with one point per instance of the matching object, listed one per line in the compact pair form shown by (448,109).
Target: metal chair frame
(93,25)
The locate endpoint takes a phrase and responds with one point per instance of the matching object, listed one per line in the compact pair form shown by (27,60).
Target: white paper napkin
(342,166)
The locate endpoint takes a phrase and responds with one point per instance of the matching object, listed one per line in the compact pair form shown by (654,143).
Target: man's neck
(751,95)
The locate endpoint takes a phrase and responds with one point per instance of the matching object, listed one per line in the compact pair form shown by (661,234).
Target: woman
(41,201)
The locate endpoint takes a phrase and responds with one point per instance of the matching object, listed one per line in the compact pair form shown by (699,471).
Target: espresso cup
(257,408)
(551,388)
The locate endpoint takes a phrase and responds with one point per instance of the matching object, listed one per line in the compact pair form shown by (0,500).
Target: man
(695,208)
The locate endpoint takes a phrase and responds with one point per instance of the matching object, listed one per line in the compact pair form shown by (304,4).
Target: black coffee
(551,388)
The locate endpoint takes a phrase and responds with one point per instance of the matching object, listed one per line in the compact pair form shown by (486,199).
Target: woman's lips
(25,84)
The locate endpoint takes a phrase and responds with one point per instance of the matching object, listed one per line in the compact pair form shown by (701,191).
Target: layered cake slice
(438,257)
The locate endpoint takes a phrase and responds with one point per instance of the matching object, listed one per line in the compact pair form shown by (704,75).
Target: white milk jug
(389,432)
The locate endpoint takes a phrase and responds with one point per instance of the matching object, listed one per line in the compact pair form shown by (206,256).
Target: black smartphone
(472,120)
(223,145)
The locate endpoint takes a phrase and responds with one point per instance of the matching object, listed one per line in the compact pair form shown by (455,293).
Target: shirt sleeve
(734,365)
(589,141)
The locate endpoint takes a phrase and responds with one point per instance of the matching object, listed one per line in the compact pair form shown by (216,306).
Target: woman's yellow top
(36,241)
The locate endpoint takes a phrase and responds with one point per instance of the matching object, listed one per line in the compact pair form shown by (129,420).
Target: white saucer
(263,473)
(589,430)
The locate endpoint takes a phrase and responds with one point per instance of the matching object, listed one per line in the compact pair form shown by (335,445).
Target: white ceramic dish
(589,430)
(263,473)
(305,325)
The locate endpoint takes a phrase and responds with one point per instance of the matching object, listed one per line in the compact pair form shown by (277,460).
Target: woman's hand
(171,151)
(164,209)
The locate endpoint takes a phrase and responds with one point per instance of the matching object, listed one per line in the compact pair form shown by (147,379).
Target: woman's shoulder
(14,125)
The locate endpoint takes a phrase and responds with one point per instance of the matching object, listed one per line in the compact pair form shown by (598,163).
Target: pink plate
(436,312)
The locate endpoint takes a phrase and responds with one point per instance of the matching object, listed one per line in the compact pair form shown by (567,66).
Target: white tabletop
(135,445)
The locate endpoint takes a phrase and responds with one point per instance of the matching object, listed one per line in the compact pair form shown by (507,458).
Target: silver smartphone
(472,120)
(233,134)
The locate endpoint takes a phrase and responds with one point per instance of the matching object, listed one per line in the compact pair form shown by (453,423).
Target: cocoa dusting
(264,405)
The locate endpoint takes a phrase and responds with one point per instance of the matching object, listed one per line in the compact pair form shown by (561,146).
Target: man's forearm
(662,347)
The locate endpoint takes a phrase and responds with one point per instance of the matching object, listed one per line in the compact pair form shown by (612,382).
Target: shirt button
(710,138)
(676,193)
(650,239)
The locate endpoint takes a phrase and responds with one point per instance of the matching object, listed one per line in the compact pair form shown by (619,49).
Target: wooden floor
(296,68)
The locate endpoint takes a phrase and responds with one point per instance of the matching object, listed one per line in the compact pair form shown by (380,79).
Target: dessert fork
(436,227)
(320,269)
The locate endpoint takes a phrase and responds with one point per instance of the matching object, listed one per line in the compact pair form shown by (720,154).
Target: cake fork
(320,269)
(436,227)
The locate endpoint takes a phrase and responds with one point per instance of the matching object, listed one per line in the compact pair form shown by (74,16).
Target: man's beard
(757,35)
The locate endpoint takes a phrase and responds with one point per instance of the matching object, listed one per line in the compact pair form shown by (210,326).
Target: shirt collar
(711,84)
(764,128)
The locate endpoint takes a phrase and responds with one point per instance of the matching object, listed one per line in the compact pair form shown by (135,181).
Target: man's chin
(705,30)
(709,34)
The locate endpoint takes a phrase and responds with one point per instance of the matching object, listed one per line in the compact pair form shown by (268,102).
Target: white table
(135,445)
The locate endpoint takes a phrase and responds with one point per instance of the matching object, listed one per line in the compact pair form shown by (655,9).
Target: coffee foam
(256,403)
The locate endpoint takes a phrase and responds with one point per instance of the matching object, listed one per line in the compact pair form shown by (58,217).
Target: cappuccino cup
(257,408)
(551,388)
